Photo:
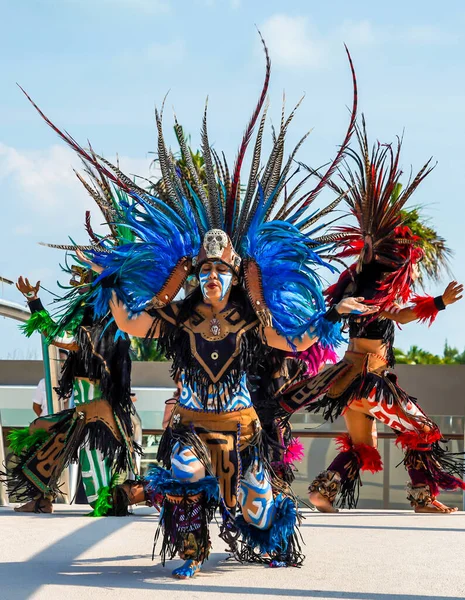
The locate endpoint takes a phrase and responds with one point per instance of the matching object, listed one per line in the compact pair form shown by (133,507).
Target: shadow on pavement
(157,579)
(380,527)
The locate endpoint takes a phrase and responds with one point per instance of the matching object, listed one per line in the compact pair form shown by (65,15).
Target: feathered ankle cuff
(280,542)
(187,510)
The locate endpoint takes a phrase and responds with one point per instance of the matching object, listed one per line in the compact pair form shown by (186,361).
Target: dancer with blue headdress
(255,251)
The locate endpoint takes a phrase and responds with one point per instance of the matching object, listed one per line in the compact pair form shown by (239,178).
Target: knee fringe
(187,511)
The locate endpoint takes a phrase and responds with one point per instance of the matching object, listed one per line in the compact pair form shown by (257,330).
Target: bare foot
(322,503)
(42,505)
(436,507)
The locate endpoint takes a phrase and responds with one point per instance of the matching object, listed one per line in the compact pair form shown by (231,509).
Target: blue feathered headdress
(160,231)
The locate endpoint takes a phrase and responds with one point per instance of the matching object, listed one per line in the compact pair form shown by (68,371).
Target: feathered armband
(39,321)
(426,308)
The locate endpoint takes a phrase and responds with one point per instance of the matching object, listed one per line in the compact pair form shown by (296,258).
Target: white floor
(366,555)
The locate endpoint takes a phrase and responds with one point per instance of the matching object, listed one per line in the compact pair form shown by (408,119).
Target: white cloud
(293,42)
(358,33)
(139,6)
(44,183)
(44,202)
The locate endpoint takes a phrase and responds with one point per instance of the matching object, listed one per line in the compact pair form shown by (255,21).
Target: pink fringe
(295,452)
(316,356)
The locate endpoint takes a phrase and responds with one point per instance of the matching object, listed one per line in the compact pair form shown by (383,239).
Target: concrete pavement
(360,555)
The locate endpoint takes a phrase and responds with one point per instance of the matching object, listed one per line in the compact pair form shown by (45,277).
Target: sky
(98,68)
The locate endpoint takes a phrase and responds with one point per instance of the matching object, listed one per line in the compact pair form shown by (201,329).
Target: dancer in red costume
(361,387)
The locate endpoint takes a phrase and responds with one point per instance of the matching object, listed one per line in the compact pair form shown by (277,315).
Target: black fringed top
(212,365)
(374,329)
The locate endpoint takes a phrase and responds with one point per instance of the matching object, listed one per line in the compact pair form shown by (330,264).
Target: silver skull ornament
(215,242)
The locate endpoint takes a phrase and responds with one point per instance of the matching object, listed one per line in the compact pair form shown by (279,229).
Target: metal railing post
(47,375)
(386,473)
(137,437)
(3,490)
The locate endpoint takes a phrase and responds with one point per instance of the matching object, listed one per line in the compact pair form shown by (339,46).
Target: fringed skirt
(50,444)
(228,445)
(220,441)
(356,376)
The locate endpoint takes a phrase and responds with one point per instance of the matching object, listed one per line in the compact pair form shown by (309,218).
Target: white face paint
(224,277)
(204,278)
(226,282)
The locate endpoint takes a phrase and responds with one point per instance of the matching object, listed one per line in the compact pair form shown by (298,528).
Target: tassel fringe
(280,541)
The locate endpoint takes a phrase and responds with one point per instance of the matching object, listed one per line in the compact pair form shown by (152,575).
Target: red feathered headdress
(376,199)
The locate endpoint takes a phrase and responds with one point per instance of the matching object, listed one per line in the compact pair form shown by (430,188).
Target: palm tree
(417,356)
(437,253)
(143,350)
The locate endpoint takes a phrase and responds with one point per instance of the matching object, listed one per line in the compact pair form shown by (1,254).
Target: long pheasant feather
(310,197)
(232,197)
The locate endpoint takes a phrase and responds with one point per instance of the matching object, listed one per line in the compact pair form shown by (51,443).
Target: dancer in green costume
(98,431)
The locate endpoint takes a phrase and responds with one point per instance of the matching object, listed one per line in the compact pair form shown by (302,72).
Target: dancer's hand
(28,290)
(452,293)
(82,257)
(355,306)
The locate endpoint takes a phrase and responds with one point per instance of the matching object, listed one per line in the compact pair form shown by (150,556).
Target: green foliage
(437,254)
(417,356)
(142,350)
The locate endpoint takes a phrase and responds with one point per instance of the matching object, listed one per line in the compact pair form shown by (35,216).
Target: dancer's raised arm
(31,293)
(344,307)
(137,325)
(425,307)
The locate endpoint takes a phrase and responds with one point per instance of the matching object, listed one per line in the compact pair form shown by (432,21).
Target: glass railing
(381,490)
(385,489)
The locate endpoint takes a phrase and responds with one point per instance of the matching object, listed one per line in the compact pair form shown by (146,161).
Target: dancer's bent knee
(185,466)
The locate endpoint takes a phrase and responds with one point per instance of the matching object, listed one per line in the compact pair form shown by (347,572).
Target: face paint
(203,278)
(225,280)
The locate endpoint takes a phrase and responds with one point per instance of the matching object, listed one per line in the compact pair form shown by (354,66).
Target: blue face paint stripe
(224,278)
